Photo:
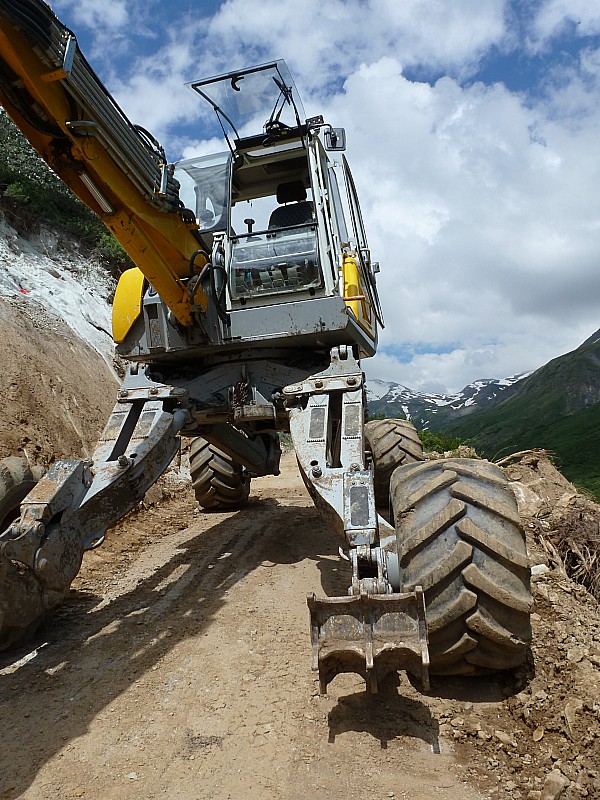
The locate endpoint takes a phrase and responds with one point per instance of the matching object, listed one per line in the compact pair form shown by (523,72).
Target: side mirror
(335,139)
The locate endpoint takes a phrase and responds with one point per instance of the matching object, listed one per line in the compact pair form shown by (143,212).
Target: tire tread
(459,536)
(218,482)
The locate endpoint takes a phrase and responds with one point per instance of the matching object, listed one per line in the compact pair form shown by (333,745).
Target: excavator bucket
(369,634)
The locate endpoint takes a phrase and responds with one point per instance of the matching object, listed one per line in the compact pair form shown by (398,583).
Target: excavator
(251,304)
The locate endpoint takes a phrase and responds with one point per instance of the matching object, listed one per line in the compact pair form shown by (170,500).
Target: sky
(473,136)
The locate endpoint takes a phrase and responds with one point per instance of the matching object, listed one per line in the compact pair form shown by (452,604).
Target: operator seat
(301,213)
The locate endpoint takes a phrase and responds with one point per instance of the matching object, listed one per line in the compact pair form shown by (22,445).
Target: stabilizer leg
(71,507)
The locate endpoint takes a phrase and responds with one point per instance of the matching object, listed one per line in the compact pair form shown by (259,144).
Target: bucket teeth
(369,634)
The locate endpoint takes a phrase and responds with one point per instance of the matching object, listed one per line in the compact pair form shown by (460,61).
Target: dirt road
(186,673)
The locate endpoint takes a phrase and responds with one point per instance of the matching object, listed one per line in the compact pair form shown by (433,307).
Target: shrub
(439,441)
(33,194)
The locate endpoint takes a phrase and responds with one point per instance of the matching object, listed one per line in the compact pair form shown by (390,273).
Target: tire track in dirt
(187,674)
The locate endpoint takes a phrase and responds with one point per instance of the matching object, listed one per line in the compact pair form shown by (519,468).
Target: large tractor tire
(460,537)
(21,607)
(393,443)
(219,483)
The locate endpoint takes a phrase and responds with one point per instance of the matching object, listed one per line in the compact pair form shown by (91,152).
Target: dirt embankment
(56,391)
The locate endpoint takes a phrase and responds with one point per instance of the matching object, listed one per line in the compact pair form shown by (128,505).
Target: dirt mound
(564,524)
(541,741)
(57,392)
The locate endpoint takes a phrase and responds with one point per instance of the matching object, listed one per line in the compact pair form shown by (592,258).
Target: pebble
(571,709)
(505,739)
(553,785)
(575,655)
(540,569)
(538,733)
(542,591)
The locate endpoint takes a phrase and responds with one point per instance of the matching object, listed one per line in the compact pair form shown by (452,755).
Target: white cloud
(485,231)
(555,15)
(110,15)
(321,40)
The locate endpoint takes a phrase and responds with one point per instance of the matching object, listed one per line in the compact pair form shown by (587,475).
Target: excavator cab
(271,205)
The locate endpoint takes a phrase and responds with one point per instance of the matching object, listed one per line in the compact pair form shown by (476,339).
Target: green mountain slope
(32,195)
(557,407)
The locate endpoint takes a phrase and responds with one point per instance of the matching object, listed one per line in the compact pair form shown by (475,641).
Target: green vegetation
(33,194)
(556,409)
(439,441)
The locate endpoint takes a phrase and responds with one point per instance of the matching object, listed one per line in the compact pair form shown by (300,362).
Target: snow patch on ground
(46,272)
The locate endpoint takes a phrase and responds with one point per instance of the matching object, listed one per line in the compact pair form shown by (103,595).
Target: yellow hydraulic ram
(53,96)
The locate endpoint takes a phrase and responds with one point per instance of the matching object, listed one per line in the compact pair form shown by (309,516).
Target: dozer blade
(370,634)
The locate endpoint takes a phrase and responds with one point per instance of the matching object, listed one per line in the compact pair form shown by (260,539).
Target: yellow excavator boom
(118,170)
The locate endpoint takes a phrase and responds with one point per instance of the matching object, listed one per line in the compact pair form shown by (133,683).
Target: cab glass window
(204,188)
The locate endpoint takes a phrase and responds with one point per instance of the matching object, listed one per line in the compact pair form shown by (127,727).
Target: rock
(472,726)
(571,709)
(542,590)
(153,496)
(538,733)
(505,739)
(575,654)
(554,784)
(540,569)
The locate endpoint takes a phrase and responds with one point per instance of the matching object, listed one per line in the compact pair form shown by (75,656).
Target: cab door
(360,290)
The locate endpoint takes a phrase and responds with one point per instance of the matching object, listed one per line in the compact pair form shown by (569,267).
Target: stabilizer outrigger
(374,630)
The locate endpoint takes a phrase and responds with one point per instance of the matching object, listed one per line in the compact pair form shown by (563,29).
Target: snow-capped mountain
(433,411)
